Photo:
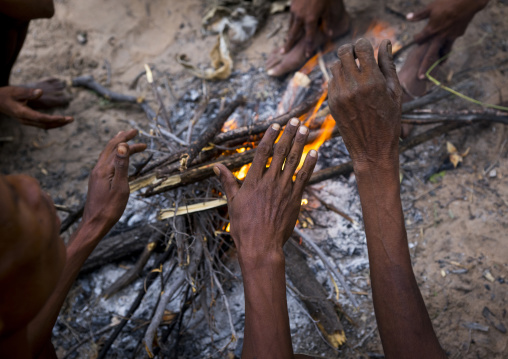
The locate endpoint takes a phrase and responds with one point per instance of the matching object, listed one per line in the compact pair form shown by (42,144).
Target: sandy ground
(457,226)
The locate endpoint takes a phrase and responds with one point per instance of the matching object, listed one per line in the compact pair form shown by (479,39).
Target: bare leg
(279,64)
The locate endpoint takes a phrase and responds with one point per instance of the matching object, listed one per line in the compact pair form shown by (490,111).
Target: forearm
(267,333)
(404,324)
(26,10)
(81,245)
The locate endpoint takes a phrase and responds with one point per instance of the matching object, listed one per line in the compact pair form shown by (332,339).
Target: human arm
(13,103)
(366,104)
(26,10)
(448,20)
(263,213)
(108,193)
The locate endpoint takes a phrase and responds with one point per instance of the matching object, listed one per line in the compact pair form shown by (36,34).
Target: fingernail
(69,119)
(37,92)
(282,50)
(330,33)
(303,130)
(270,72)
(119,132)
(389,48)
(313,153)
(421,77)
(216,170)
(410,16)
(122,150)
(294,122)
(276,126)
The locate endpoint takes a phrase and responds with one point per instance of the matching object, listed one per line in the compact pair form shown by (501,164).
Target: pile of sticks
(191,245)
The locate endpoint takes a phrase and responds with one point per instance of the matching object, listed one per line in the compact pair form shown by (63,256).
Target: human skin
(14,103)
(263,213)
(365,102)
(311,24)
(448,20)
(35,267)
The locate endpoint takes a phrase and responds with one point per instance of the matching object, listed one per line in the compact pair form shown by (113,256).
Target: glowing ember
(378,31)
(229,125)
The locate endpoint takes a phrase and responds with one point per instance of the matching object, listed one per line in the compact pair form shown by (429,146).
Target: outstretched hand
(264,210)
(448,20)
(365,102)
(108,186)
(13,103)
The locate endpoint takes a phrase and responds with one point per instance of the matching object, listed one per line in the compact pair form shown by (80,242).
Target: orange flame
(326,133)
(380,30)
(229,125)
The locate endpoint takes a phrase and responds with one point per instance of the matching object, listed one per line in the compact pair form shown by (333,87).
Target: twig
(334,269)
(330,206)
(151,276)
(365,337)
(168,293)
(90,337)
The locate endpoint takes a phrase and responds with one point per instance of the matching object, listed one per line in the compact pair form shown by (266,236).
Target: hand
(264,210)
(448,20)
(365,102)
(306,18)
(108,186)
(13,103)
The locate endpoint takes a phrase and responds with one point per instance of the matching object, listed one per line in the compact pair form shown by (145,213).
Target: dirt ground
(457,223)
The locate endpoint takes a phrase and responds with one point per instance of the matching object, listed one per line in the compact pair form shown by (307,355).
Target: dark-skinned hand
(264,210)
(13,103)
(365,102)
(108,186)
(306,18)
(448,20)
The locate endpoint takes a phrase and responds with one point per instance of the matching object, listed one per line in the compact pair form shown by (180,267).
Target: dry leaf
(455,156)
(222,64)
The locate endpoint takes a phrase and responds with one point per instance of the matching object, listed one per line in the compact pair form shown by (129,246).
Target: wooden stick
(334,269)
(215,127)
(330,206)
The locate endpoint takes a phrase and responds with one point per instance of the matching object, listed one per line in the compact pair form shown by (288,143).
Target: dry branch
(320,309)
(172,286)
(214,128)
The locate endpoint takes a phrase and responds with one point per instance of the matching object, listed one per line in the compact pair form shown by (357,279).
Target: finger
(293,34)
(282,147)
(310,37)
(227,180)
(430,58)
(121,165)
(293,159)
(419,15)
(303,176)
(26,94)
(45,120)
(387,67)
(347,58)
(263,153)
(122,136)
(137,148)
(365,54)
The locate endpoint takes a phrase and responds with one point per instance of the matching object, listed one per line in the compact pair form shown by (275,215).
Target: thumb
(419,15)
(27,94)
(227,180)
(121,165)
(387,67)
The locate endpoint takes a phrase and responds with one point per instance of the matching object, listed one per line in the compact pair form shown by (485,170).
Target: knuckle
(292,159)
(280,150)
(264,149)
(302,175)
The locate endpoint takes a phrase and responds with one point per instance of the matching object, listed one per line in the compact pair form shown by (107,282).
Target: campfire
(192,240)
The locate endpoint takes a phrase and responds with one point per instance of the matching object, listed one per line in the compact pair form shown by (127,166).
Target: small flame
(380,30)
(326,133)
(228,227)
(230,124)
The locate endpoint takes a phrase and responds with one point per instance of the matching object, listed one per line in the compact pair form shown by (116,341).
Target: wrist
(254,262)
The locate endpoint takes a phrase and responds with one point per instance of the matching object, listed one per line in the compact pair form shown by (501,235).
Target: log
(314,296)
(119,246)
